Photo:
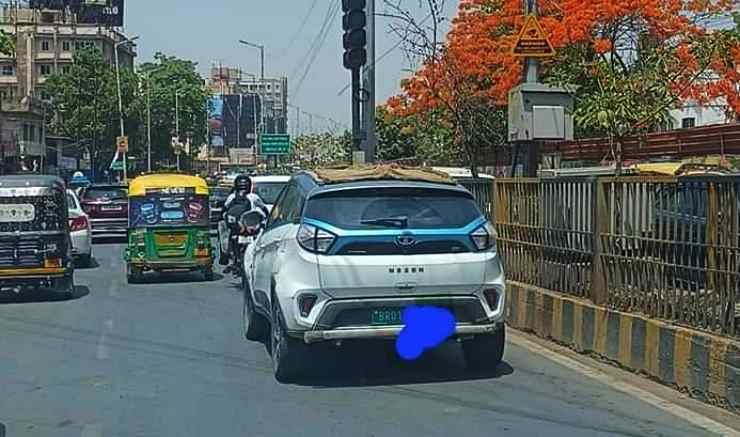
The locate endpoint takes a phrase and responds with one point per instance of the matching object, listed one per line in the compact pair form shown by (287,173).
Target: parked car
(341,260)
(35,247)
(107,207)
(80,231)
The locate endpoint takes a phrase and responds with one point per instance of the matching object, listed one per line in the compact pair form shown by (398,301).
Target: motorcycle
(244,229)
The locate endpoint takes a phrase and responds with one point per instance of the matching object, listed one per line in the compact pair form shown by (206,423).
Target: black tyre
(85,261)
(256,328)
(65,287)
(485,352)
(208,274)
(287,352)
(134,276)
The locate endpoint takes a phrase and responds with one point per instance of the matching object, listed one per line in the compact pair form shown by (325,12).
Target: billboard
(216,121)
(103,12)
(239,116)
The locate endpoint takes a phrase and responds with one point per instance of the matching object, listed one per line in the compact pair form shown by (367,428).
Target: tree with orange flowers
(628,62)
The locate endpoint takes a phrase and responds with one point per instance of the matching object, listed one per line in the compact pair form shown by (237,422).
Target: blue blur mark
(424,328)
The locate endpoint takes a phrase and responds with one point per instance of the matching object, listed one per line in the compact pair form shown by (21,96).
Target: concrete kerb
(703,365)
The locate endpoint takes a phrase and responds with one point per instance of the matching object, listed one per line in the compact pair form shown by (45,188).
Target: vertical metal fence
(666,247)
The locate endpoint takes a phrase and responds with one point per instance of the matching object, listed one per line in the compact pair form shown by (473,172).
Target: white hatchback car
(80,230)
(342,260)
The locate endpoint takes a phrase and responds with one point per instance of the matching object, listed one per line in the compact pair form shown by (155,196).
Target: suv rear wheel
(287,352)
(255,326)
(485,352)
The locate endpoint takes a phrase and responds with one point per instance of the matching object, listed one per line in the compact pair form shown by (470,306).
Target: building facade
(45,43)
(274,94)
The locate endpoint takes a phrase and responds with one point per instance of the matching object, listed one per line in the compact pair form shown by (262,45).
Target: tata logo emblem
(405,240)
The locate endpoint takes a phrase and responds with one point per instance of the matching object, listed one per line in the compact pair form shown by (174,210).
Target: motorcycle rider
(240,200)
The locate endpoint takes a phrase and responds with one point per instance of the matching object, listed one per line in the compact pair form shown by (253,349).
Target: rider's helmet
(242,185)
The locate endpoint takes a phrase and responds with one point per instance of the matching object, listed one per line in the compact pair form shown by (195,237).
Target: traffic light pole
(356,129)
(370,140)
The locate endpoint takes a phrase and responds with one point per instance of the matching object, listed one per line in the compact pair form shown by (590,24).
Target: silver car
(80,231)
(342,260)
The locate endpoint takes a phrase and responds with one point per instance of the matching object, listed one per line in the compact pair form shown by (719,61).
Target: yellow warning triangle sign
(532,41)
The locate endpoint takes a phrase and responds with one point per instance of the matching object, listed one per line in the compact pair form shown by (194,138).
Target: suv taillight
(315,239)
(484,237)
(78,224)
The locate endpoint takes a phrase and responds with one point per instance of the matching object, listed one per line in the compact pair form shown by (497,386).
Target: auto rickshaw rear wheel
(134,275)
(208,274)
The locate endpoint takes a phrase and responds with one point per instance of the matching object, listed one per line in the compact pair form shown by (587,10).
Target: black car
(218,195)
(35,244)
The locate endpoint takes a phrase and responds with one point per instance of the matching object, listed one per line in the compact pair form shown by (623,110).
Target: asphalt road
(168,359)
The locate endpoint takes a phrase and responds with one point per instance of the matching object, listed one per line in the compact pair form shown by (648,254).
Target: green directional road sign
(275,144)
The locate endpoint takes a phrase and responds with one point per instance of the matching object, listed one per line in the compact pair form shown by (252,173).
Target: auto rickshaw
(35,244)
(168,228)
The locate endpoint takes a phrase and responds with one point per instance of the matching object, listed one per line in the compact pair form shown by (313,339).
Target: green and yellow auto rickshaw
(168,228)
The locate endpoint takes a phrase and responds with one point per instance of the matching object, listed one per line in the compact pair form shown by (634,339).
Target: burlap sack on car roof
(383,172)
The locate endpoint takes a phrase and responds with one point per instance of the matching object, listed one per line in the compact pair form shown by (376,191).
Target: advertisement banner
(216,121)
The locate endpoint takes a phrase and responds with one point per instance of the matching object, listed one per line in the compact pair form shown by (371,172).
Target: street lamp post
(177,127)
(120,99)
(261,48)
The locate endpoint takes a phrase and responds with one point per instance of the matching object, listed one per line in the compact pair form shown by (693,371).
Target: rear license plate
(170,240)
(386,316)
(110,208)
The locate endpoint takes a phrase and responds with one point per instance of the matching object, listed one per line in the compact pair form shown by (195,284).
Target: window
(688,122)
(66,69)
(269,191)
(374,209)
(26,132)
(66,46)
(286,209)
(269,87)
(45,69)
(44,95)
(45,46)
(8,70)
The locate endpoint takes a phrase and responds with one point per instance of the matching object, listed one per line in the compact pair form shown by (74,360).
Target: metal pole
(177,128)
(369,85)
(531,73)
(356,133)
(120,104)
(238,123)
(148,125)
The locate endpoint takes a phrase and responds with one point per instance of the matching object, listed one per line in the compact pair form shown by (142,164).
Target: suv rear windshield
(393,208)
(269,191)
(106,193)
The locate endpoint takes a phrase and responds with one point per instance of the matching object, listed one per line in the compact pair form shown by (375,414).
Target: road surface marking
(102,352)
(644,395)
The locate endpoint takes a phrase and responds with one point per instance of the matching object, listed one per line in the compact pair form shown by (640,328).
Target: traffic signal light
(355,36)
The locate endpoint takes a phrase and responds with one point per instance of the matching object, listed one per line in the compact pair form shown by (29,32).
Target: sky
(208,32)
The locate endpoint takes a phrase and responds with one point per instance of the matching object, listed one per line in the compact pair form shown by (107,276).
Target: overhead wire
(334,9)
(304,59)
(298,32)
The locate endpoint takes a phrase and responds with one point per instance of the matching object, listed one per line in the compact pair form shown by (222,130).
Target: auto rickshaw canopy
(140,185)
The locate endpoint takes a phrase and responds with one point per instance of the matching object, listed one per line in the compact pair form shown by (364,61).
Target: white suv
(341,260)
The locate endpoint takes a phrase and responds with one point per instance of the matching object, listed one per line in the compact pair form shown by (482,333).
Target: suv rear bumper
(388,332)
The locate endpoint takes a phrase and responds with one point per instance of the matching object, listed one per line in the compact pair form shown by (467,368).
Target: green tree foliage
(85,105)
(7,43)
(422,138)
(319,150)
(161,80)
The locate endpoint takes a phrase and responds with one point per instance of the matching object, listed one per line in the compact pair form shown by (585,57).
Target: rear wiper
(396,222)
